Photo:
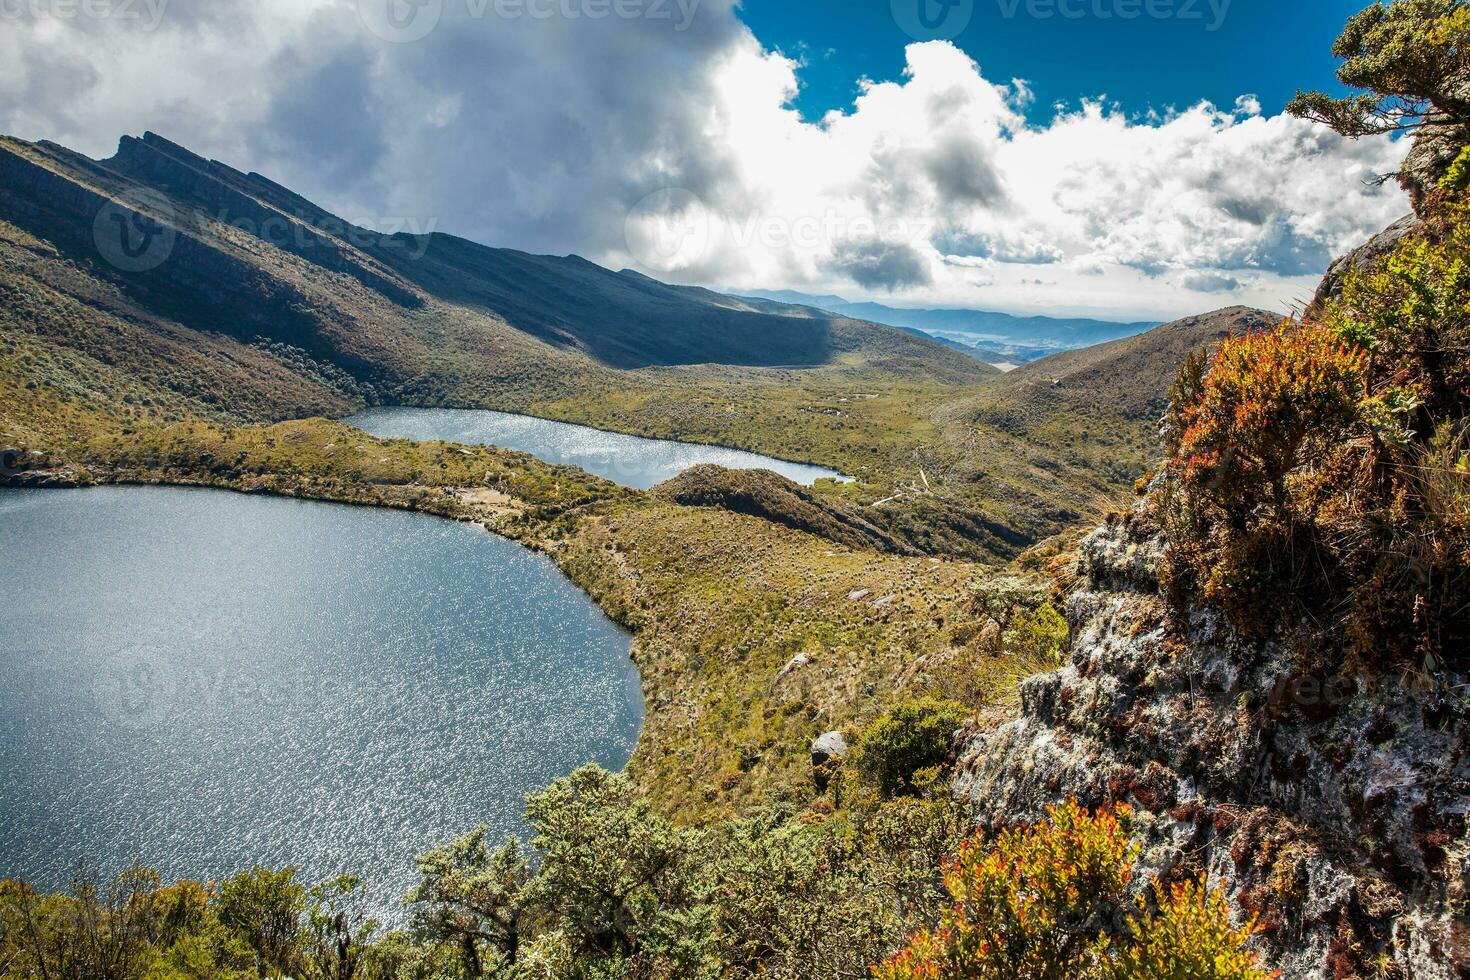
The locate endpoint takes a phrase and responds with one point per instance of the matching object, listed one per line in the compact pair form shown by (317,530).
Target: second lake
(628,460)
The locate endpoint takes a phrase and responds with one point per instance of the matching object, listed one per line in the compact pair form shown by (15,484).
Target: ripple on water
(207,681)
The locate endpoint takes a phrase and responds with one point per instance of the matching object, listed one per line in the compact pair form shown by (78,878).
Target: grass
(718,602)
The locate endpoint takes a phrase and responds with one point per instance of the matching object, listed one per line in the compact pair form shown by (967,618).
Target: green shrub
(903,750)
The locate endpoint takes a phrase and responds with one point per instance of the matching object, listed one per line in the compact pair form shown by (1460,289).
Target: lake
(628,460)
(206,681)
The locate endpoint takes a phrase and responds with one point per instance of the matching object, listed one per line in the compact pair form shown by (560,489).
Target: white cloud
(544,133)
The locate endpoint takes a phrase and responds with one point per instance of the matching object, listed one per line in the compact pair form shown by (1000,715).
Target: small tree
(264,909)
(475,900)
(622,883)
(1412,57)
(338,930)
(903,750)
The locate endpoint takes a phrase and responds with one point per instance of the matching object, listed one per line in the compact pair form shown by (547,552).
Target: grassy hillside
(266,308)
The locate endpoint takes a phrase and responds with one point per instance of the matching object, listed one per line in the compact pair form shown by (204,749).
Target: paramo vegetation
(609,889)
(1317,483)
(1325,466)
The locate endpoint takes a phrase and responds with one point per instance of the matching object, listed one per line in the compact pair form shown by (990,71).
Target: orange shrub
(1268,403)
(1041,903)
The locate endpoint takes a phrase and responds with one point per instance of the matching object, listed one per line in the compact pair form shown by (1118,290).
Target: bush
(1270,402)
(904,750)
(1318,472)
(1040,903)
(1190,938)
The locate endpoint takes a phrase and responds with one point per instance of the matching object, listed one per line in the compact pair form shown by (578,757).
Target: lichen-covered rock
(1330,805)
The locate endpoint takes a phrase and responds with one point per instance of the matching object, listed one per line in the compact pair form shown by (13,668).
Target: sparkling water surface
(628,460)
(207,681)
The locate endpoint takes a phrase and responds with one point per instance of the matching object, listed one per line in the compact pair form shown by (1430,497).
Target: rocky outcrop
(1330,805)
(1436,145)
(1364,257)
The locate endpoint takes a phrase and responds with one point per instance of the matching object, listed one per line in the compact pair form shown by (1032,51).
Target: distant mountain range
(993,337)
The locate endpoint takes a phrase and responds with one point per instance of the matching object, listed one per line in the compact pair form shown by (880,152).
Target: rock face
(827,747)
(1331,806)
(1365,256)
(1435,147)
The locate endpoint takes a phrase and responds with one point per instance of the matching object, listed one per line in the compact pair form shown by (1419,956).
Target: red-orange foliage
(1269,401)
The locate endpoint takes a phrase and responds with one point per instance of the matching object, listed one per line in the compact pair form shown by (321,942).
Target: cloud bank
(659,134)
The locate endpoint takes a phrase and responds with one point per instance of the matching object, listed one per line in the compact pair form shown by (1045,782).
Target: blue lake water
(629,460)
(206,681)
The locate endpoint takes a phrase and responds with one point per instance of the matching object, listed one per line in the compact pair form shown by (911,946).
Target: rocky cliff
(1329,804)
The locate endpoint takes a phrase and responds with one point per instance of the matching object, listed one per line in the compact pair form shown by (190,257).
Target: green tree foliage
(1410,56)
(624,884)
(264,909)
(338,931)
(475,899)
(904,750)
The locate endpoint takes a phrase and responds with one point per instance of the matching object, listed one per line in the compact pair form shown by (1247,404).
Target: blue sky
(1263,47)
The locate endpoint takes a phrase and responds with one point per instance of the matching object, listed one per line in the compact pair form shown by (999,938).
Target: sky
(1126,159)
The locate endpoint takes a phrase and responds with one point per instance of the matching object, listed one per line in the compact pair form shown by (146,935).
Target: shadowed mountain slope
(246,259)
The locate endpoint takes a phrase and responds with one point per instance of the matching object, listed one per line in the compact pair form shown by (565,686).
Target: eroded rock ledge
(1331,806)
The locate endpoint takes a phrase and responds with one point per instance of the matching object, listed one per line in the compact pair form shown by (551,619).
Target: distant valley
(996,338)
(262,307)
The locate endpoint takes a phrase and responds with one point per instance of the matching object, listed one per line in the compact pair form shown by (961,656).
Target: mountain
(235,296)
(1058,440)
(999,336)
(1127,380)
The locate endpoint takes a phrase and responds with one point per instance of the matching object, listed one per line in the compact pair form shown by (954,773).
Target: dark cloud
(964,175)
(1212,282)
(888,266)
